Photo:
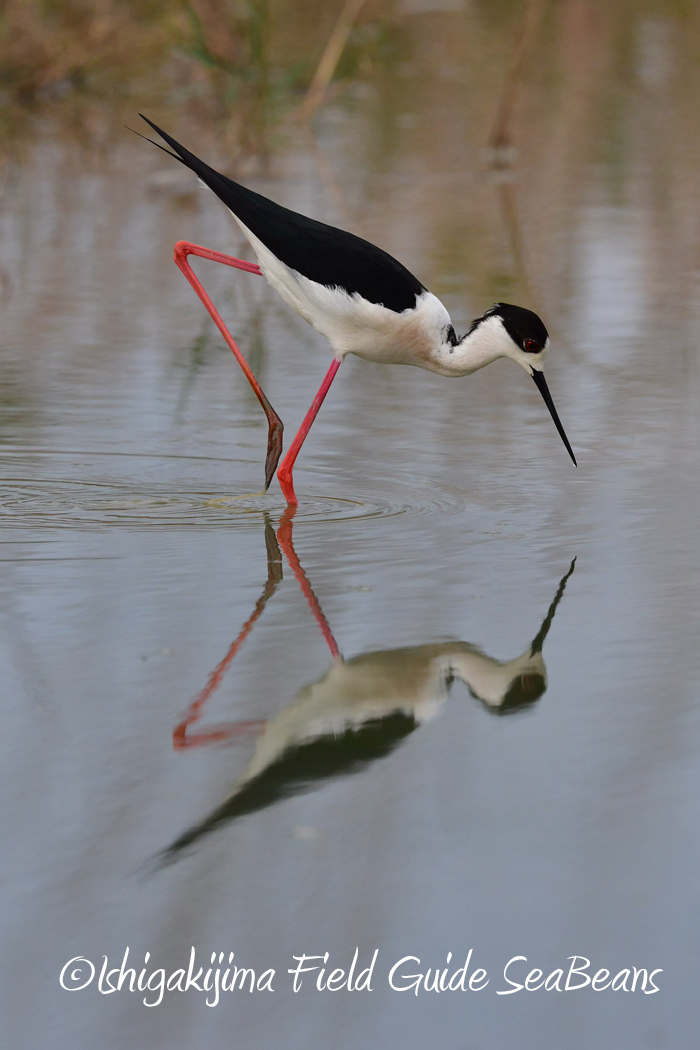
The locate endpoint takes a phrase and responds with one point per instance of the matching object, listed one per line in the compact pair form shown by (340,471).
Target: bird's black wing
(322,253)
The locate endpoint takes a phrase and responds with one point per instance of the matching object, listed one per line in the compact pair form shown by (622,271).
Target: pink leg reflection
(284,538)
(229,731)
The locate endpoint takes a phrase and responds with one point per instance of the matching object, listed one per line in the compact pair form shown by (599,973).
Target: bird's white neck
(485,344)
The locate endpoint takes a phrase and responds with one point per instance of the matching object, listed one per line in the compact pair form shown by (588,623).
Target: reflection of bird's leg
(275,425)
(284,538)
(181,739)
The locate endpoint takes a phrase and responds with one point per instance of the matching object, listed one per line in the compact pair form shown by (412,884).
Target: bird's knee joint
(181,250)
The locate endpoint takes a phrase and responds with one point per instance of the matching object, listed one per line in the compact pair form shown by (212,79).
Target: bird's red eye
(531,346)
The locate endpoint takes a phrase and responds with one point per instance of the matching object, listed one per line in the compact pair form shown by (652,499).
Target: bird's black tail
(319,252)
(225,189)
(267,220)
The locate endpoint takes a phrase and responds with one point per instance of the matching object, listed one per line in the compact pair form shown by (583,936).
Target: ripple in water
(61,502)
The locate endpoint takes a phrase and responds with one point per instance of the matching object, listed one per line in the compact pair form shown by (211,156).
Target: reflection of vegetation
(196,356)
(249,330)
(20,416)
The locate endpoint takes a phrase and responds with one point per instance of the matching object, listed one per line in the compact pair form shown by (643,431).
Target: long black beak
(541,384)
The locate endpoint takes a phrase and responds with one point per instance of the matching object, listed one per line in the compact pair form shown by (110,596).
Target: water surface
(515,778)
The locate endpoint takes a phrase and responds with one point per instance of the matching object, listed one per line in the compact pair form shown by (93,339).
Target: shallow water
(168,637)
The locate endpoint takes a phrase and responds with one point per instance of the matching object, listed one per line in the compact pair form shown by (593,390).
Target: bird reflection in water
(358,712)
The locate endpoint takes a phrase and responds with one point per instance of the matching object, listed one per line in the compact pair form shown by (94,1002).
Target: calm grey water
(437,521)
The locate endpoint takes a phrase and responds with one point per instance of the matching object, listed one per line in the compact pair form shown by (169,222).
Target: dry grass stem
(330,58)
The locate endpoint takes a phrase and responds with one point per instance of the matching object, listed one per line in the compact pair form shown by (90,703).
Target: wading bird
(358,712)
(360,298)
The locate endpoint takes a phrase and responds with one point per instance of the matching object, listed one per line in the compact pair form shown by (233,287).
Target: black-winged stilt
(364,301)
(359,711)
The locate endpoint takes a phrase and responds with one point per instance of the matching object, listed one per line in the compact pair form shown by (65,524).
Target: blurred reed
(246,65)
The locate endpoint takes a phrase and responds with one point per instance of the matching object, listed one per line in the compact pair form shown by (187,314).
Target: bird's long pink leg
(284,474)
(275,425)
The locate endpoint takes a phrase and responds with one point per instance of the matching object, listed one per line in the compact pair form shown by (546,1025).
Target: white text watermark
(313,973)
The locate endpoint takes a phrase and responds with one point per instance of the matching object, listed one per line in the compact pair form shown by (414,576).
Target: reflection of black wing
(320,252)
(298,768)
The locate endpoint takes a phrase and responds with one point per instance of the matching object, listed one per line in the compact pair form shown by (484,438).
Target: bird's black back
(320,252)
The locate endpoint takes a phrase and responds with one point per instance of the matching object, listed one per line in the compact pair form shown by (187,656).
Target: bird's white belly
(351,324)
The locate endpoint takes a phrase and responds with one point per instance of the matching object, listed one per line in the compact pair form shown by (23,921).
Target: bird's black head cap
(525,327)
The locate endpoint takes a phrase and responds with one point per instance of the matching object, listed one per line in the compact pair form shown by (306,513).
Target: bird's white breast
(351,324)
